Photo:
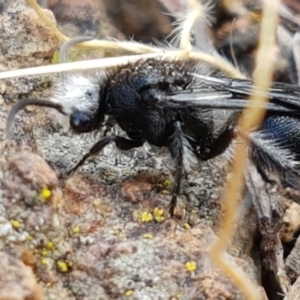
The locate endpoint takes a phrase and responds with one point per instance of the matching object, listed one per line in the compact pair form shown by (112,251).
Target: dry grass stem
(251,118)
(115,61)
(194,14)
(47,20)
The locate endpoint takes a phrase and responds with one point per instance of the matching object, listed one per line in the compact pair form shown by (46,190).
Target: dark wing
(283,94)
(228,93)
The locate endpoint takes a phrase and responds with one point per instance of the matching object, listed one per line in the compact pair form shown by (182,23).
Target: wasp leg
(109,125)
(121,143)
(176,148)
(270,219)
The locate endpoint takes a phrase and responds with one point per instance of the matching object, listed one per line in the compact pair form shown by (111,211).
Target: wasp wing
(283,94)
(233,94)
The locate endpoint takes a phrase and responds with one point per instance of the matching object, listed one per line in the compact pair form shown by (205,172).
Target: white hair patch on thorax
(77,93)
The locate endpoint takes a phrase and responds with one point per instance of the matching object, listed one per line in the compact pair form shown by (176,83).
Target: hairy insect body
(134,99)
(183,105)
(285,130)
(277,143)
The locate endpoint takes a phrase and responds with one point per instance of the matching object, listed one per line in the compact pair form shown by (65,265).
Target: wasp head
(75,96)
(80,100)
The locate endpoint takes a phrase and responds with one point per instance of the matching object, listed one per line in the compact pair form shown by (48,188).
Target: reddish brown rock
(17,281)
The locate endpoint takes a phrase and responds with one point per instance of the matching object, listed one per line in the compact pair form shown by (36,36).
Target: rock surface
(104,232)
(17,280)
(25,42)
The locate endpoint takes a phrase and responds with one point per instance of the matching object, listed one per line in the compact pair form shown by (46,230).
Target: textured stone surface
(25,42)
(17,280)
(105,231)
(291,221)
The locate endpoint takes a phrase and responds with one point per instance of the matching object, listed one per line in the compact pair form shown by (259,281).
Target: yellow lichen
(165,192)
(191,266)
(117,231)
(44,261)
(167,182)
(62,266)
(108,209)
(45,252)
(76,229)
(158,214)
(16,224)
(45,193)
(186,226)
(128,293)
(97,202)
(177,296)
(50,246)
(146,217)
(148,236)
(108,173)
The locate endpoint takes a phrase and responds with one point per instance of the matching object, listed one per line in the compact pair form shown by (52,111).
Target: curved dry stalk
(250,120)
(116,61)
(95,44)
(131,47)
(193,15)
(137,48)
(47,20)
(196,10)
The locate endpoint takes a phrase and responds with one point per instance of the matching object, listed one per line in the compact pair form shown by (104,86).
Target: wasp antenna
(64,50)
(23,103)
(67,45)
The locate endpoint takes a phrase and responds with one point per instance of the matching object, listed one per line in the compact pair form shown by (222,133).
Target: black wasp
(183,105)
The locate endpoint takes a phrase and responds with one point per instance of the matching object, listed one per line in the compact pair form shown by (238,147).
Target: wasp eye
(80,122)
(89,94)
